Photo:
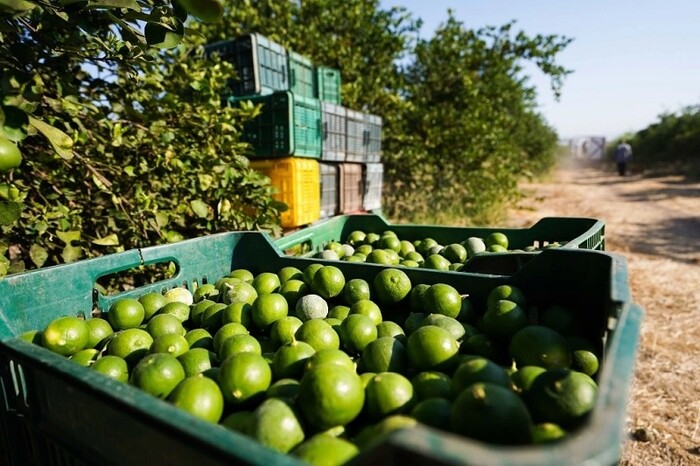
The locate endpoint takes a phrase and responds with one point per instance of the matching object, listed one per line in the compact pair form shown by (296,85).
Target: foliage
(671,141)
(471,130)
(139,150)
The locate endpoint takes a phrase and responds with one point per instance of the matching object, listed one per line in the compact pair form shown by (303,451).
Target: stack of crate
(322,158)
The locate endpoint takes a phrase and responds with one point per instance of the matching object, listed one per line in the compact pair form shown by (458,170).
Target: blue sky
(632,60)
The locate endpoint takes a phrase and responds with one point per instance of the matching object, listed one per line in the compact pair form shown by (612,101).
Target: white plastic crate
(373,175)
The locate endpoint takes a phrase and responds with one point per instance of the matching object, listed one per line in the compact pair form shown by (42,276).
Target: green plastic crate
(302,75)
(328,84)
(574,232)
(289,126)
(261,64)
(55,412)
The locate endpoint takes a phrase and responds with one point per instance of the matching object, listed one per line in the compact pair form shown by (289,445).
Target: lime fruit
(66,335)
(99,330)
(455,253)
(319,334)
(325,450)
(379,256)
(244,378)
(561,396)
(276,425)
(330,395)
(509,292)
(330,356)
(199,338)
(355,290)
(285,389)
(239,291)
(85,357)
(181,295)
(498,239)
(442,299)
(225,332)
(453,326)
(196,361)
(266,283)
(357,332)
(113,367)
(200,397)
(491,413)
(283,330)
(391,286)
(522,378)
(432,348)
(158,374)
(171,343)
(386,354)
(243,275)
(125,313)
(309,273)
(388,393)
(268,308)
(478,369)
(388,328)
(311,306)
(535,345)
(177,309)
(339,312)
(289,273)
(205,291)
(131,345)
(368,309)
(164,324)
(236,344)
(436,262)
(10,156)
(546,432)
(432,384)
(328,282)
(238,313)
(290,359)
(433,412)
(151,303)
(503,319)
(292,291)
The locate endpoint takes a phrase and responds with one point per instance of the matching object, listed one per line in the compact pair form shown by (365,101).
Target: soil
(654,222)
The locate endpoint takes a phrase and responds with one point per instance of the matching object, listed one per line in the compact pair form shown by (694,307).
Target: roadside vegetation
(116,136)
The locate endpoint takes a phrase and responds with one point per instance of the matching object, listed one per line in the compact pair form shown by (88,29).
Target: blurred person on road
(623,153)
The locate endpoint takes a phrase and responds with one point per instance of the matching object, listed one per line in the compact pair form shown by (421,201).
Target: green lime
(239,291)
(292,291)
(85,357)
(164,324)
(372,238)
(442,299)
(388,393)
(99,330)
(415,298)
(477,369)
(357,332)
(309,273)
(205,291)
(181,295)
(328,282)
(436,262)
(379,256)
(158,374)
(498,239)
(325,450)
(319,334)
(474,246)
(244,378)
(177,309)
(432,348)
(413,322)
(275,424)
(391,286)
(453,326)
(367,308)
(503,319)
(290,359)
(356,237)
(415,257)
(112,366)
(330,395)
(339,312)
(289,273)
(432,384)
(522,378)
(239,421)
(496,248)
(364,249)
(197,311)
(584,361)
(131,345)
(244,275)
(425,245)
(212,317)
(225,332)
(388,328)
(125,313)
(197,360)
(386,354)
(491,413)
(269,308)
(455,253)
(509,292)
(236,344)
(433,412)
(266,283)
(283,330)
(561,396)
(200,397)
(199,338)
(171,343)
(546,432)
(33,336)
(330,356)
(284,389)
(535,345)
(478,345)
(355,290)
(238,313)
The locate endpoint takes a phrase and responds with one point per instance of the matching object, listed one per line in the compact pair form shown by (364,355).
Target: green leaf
(9,212)
(112,4)
(164,36)
(17,267)
(111,240)
(13,123)
(15,6)
(60,141)
(71,253)
(200,208)
(68,236)
(38,255)
(162,219)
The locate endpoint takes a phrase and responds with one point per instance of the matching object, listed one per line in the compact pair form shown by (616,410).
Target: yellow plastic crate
(297,182)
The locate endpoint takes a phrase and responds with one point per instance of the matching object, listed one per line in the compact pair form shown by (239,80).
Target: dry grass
(655,224)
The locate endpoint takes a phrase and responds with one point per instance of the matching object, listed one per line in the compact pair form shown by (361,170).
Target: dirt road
(655,224)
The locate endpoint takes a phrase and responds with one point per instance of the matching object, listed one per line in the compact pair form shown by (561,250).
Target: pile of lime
(388,249)
(314,364)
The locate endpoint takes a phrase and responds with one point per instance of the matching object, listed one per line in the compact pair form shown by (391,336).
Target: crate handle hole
(135,277)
